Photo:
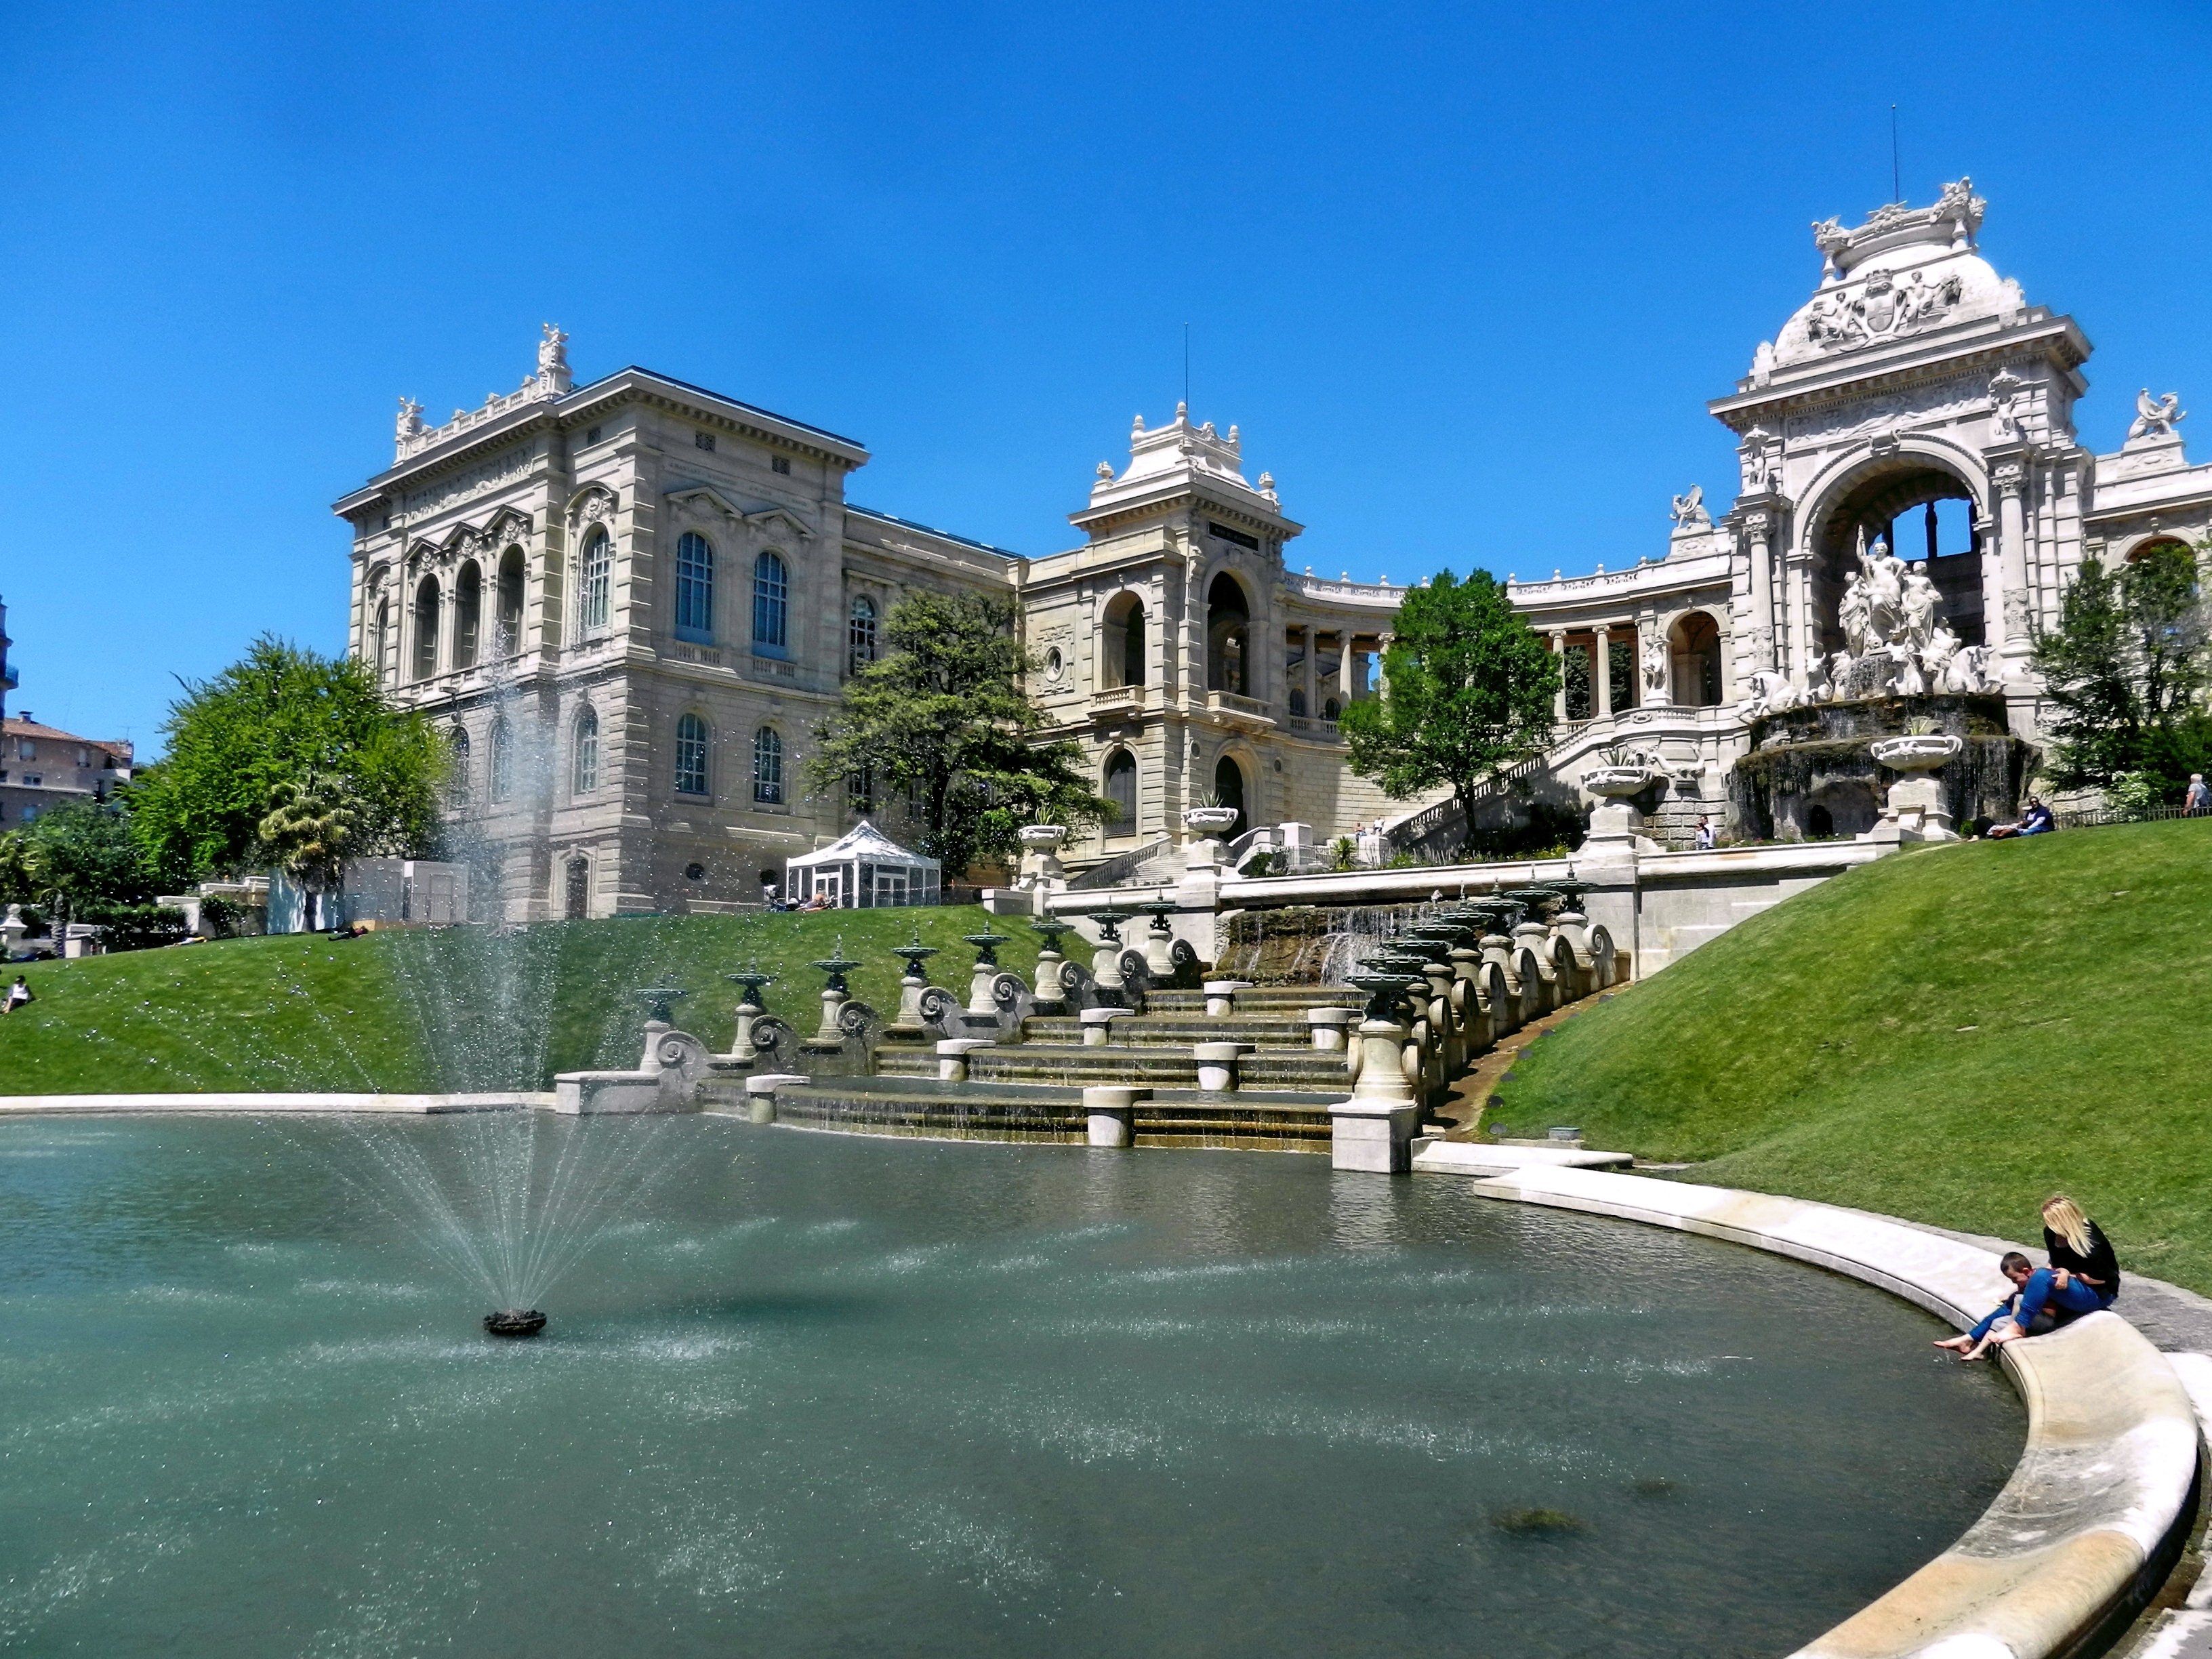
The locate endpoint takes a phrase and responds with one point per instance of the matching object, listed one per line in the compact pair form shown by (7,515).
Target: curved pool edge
(2101,1500)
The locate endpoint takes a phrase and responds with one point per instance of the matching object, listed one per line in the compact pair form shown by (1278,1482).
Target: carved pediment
(591,502)
(707,501)
(507,527)
(775,523)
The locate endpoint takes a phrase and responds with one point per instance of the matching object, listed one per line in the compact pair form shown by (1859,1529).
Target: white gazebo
(864,869)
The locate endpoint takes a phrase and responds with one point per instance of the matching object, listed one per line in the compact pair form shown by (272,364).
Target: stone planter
(1040,865)
(1917,753)
(1211,821)
(1914,810)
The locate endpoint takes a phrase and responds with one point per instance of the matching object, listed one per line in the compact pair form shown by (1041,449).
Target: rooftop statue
(2156,418)
(1688,511)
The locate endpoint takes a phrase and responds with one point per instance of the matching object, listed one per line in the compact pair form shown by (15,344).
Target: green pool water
(822,1395)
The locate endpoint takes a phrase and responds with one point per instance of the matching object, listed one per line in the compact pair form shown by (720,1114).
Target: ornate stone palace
(631,601)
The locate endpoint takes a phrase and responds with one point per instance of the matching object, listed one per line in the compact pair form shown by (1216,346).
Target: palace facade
(631,601)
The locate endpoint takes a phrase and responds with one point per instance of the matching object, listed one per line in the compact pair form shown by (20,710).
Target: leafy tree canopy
(281,718)
(1468,690)
(943,713)
(2122,668)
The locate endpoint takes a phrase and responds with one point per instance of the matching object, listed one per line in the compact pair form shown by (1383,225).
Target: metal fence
(2100,817)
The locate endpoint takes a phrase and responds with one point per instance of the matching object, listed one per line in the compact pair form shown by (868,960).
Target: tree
(943,713)
(284,716)
(1467,691)
(308,832)
(2122,670)
(83,854)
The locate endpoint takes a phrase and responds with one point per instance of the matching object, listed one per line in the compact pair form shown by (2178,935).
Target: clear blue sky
(1463,275)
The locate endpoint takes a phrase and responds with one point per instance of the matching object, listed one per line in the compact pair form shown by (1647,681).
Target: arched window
(860,635)
(1331,709)
(584,774)
(468,614)
(1298,700)
(502,761)
(695,589)
(379,643)
(426,628)
(458,781)
(1229,791)
(595,591)
(1227,616)
(511,569)
(577,901)
(1122,642)
(771,606)
(768,766)
(690,756)
(1121,790)
(1696,642)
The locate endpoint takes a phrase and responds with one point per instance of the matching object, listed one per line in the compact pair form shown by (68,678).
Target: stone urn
(1041,865)
(1207,824)
(1619,776)
(1914,810)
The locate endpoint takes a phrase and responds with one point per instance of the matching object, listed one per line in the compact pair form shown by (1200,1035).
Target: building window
(457,780)
(694,872)
(690,756)
(502,763)
(779,463)
(771,605)
(380,642)
(468,614)
(511,569)
(1121,790)
(860,791)
(1227,618)
(1297,702)
(1121,644)
(860,636)
(695,589)
(703,440)
(583,775)
(591,437)
(577,901)
(595,596)
(768,767)
(426,628)
(1331,709)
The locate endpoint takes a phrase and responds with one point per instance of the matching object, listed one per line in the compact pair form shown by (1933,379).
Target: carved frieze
(472,481)
(1938,400)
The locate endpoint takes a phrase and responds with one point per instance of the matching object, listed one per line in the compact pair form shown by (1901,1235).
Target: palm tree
(309,830)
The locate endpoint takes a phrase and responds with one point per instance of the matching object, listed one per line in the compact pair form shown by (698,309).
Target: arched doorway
(1926,513)
(1694,643)
(1228,632)
(1229,791)
(577,901)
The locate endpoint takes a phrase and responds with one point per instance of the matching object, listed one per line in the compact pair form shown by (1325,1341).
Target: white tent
(863,870)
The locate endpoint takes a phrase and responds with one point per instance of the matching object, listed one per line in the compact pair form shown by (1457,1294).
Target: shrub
(135,926)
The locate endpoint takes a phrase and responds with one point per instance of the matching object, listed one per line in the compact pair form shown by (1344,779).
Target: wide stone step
(1073,1065)
(1281,1120)
(1262,999)
(1267,1030)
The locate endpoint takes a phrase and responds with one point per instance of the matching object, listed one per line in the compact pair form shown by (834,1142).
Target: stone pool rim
(2102,1500)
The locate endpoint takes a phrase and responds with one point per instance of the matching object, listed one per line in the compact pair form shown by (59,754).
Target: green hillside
(453,1009)
(1950,1035)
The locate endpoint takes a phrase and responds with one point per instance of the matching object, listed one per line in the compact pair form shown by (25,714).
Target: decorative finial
(1234,439)
(410,418)
(1267,483)
(553,359)
(1136,426)
(1106,471)
(1183,411)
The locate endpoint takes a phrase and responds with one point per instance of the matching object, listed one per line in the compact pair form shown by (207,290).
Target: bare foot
(1959,1344)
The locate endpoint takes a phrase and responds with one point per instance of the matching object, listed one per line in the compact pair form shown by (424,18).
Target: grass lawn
(1950,1035)
(455,1008)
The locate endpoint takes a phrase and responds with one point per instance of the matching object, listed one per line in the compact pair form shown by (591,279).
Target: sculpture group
(1894,644)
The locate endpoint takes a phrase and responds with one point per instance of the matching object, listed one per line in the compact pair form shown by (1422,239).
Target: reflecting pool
(836,1395)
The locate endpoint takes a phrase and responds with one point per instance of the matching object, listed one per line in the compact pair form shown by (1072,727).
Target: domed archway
(1926,513)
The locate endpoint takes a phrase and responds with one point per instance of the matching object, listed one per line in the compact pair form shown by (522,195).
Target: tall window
(1122,648)
(585,776)
(860,635)
(502,761)
(768,766)
(510,601)
(595,594)
(771,605)
(695,589)
(457,779)
(426,628)
(1121,790)
(468,614)
(380,642)
(690,756)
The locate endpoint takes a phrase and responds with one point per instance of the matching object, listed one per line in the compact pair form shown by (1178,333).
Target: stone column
(1758,533)
(1313,709)
(1343,667)
(1559,650)
(2011,480)
(1601,674)
(1800,579)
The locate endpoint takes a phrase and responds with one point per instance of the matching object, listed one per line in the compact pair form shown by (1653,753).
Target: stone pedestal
(1376,1138)
(952,1057)
(1915,809)
(1330,1027)
(760,1094)
(1217,1064)
(1221,996)
(1111,1113)
(1098,1023)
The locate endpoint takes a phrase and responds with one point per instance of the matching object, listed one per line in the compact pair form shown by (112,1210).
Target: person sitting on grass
(18,994)
(2083,1277)
(2036,821)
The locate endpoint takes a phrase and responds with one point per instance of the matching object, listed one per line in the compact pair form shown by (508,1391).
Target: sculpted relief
(1944,399)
